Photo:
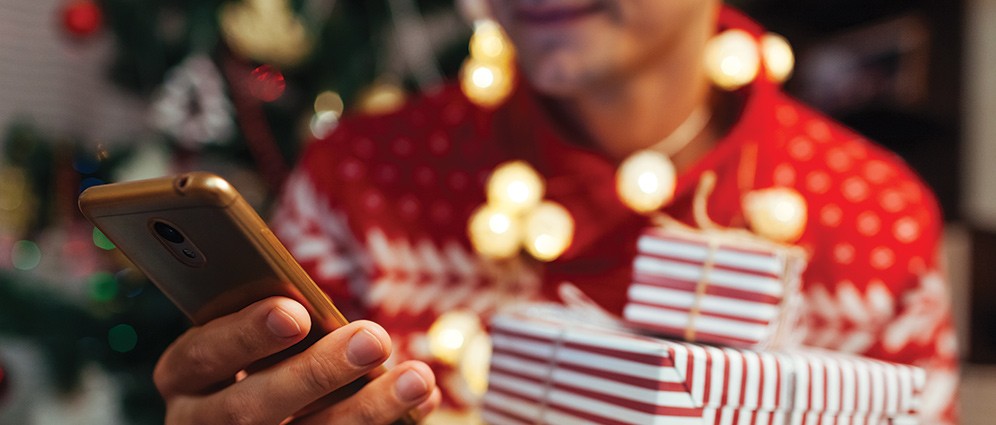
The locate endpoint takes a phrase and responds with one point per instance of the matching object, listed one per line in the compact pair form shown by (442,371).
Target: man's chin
(559,81)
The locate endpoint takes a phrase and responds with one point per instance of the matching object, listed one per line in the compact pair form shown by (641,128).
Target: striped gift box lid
(734,291)
(551,365)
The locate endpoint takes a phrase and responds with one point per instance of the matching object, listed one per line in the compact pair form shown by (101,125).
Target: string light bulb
(646,181)
(487,75)
(515,186)
(381,98)
(495,232)
(548,231)
(450,334)
(485,83)
(489,43)
(778,213)
(732,59)
(516,216)
(778,57)
(476,362)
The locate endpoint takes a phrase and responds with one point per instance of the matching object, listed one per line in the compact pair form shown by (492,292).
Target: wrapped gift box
(550,367)
(725,288)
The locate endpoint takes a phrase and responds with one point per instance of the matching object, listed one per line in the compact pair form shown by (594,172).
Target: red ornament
(266,83)
(81,18)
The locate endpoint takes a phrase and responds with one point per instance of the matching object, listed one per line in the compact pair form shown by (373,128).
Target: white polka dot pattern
(407,182)
(871,229)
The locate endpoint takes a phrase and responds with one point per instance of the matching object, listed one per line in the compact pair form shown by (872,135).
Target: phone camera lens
(168,232)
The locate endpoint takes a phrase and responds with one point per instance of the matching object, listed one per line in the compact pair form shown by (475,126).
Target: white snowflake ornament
(191,105)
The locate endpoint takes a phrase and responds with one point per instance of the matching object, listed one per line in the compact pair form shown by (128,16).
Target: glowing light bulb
(777,213)
(381,98)
(732,59)
(483,77)
(486,83)
(476,362)
(489,43)
(449,334)
(778,57)
(645,181)
(648,182)
(494,232)
(451,339)
(515,186)
(499,223)
(549,231)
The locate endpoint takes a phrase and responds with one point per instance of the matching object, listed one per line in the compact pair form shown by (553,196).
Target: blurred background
(93,91)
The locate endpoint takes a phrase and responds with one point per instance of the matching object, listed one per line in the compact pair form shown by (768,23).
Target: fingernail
(282,324)
(411,386)
(364,349)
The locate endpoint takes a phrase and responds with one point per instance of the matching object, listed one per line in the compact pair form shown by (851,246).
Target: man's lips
(555,14)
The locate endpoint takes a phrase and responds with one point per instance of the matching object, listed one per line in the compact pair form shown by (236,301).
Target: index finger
(210,355)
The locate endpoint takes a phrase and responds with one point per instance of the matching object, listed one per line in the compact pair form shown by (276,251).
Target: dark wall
(906,53)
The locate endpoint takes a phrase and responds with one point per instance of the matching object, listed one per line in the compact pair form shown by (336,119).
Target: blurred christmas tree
(234,87)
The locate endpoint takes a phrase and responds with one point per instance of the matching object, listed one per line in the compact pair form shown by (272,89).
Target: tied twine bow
(549,378)
(578,305)
(715,235)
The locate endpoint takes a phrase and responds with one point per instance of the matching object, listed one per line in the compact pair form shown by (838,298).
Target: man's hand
(197,373)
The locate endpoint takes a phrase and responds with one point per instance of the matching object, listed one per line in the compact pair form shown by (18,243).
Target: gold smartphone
(205,247)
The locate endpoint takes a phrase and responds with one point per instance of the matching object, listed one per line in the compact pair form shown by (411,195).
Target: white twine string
(687,131)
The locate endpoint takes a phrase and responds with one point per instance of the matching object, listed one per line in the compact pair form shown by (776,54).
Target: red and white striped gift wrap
(714,288)
(548,367)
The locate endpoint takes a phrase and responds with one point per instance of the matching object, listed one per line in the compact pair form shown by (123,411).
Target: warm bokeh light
(490,44)
(777,213)
(645,181)
(495,232)
(549,231)
(13,188)
(515,186)
(381,98)
(732,59)
(485,83)
(449,334)
(476,362)
(265,30)
(778,57)
(329,101)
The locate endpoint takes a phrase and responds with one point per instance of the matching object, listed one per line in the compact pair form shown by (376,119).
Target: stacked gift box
(553,367)
(719,288)
(554,364)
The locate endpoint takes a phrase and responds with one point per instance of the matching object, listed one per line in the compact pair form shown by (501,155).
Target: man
(378,214)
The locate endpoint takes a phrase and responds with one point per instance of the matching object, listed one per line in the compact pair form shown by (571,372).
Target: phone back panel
(240,261)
